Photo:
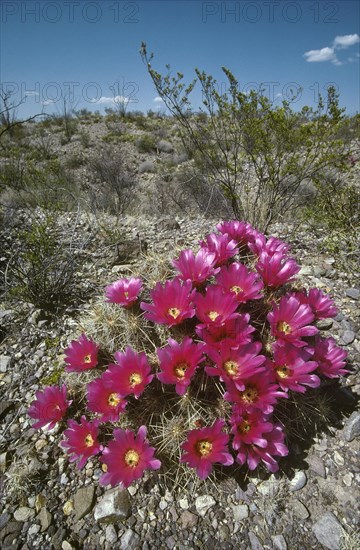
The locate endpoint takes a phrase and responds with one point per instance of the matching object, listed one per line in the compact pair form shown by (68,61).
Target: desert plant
(257,154)
(146,144)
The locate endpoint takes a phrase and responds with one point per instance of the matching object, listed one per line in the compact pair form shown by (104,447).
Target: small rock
(110,534)
(347,338)
(279,542)
(45,518)
(34,529)
(5,363)
(24,513)
(129,540)
(347,479)
(203,504)
(114,505)
(254,541)
(316,465)
(298,481)
(65,545)
(83,501)
(299,509)
(328,531)
(184,503)
(68,507)
(339,460)
(305,270)
(240,512)
(324,324)
(4,458)
(163,504)
(352,427)
(40,502)
(353,293)
(188,520)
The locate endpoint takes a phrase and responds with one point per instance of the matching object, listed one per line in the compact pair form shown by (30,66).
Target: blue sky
(80,49)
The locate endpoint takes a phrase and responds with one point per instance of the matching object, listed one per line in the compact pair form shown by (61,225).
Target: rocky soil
(47,503)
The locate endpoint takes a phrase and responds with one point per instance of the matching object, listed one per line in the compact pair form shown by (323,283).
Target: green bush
(146,144)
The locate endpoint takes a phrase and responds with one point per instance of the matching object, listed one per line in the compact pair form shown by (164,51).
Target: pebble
(347,337)
(24,513)
(66,545)
(316,465)
(45,519)
(5,363)
(339,459)
(298,481)
(203,504)
(328,531)
(279,542)
(129,541)
(110,534)
(184,503)
(240,512)
(352,426)
(347,479)
(299,509)
(353,293)
(83,501)
(254,541)
(114,505)
(188,520)
(324,324)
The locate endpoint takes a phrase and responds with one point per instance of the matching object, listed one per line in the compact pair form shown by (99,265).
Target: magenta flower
(292,368)
(172,303)
(206,446)
(240,232)
(260,392)
(127,457)
(49,407)
(82,354)
(290,321)
(269,245)
(216,307)
(104,400)
(82,442)
(233,333)
(222,246)
(235,365)
(124,291)
(178,363)
(276,269)
(242,283)
(330,358)
(130,374)
(253,453)
(249,428)
(197,268)
(321,305)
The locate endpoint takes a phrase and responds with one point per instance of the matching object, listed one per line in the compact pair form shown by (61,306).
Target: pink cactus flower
(238,231)
(253,454)
(330,358)
(178,363)
(127,457)
(249,428)
(239,281)
(49,407)
(104,400)
(260,244)
(233,333)
(216,307)
(260,392)
(292,368)
(197,268)
(82,354)
(172,303)
(124,292)
(206,446)
(130,374)
(82,442)
(321,305)
(290,321)
(222,246)
(233,366)
(276,269)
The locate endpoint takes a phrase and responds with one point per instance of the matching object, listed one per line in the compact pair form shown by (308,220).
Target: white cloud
(325,54)
(346,41)
(157,99)
(103,100)
(49,102)
(31,93)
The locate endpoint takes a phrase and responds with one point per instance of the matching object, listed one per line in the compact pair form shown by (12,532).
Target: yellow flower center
(231,367)
(89,442)
(174,312)
(284,327)
(135,379)
(126,294)
(249,394)
(114,399)
(283,371)
(180,370)
(236,289)
(243,427)
(204,447)
(132,458)
(87,358)
(213,315)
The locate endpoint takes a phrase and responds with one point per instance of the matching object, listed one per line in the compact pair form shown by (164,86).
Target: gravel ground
(47,503)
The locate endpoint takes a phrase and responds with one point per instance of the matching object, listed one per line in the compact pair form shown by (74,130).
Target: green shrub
(146,144)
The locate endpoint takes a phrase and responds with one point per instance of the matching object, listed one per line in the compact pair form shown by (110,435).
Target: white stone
(240,512)
(203,504)
(184,503)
